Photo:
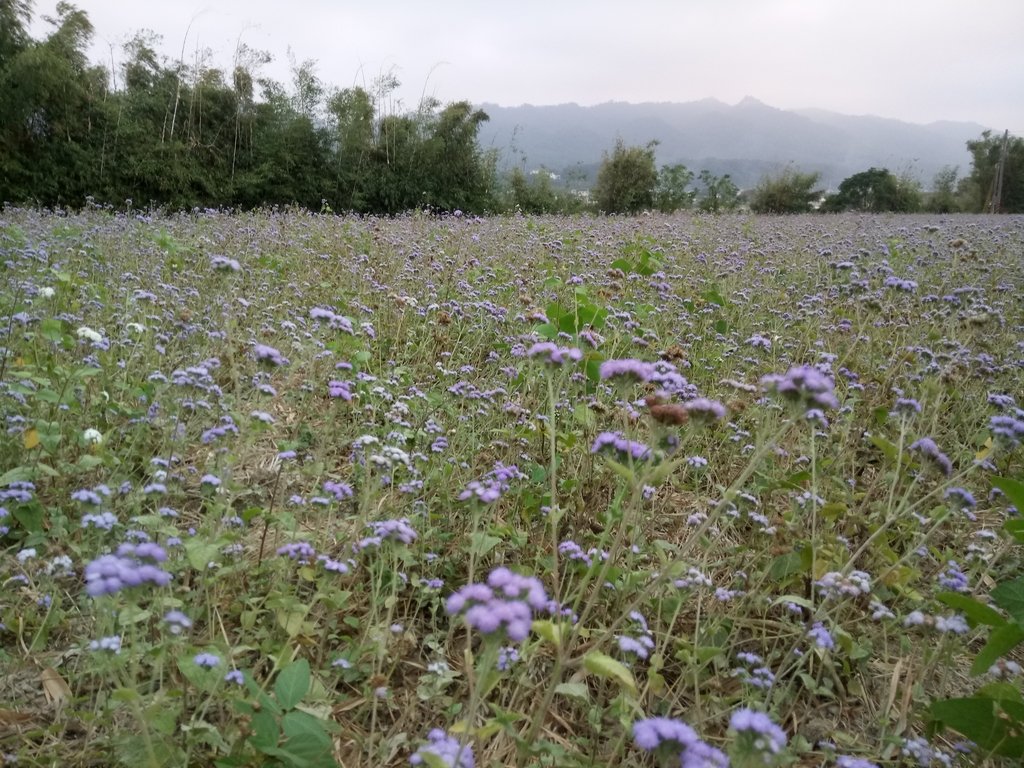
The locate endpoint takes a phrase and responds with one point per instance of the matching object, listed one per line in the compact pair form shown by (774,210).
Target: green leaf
(976,612)
(18,474)
(292,684)
(574,690)
(482,542)
(992,725)
(889,449)
(603,665)
(51,329)
(1014,490)
(1009,595)
(1001,641)
(306,738)
(264,730)
(547,331)
(1016,529)
(548,630)
(785,565)
(721,326)
(714,297)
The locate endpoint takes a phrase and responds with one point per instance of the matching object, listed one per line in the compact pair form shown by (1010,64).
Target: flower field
(283,489)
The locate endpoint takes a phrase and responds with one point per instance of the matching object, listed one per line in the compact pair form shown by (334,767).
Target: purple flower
(505,603)
(235,676)
(804,385)
(552,353)
(821,637)
(339,388)
(929,450)
(846,761)
(444,749)
(398,530)
(618,443)
(224,264)
(906,406)
(300,551)
(1007,430)
(177,622)
(267,354)
(111,644)
(954,579)
(206,660)
(703,409)
(959,497)
(676,736)
(634,370)
(339,490)
(766,735)
(109,574)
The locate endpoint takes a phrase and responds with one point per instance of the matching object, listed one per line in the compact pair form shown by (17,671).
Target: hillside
(747,139)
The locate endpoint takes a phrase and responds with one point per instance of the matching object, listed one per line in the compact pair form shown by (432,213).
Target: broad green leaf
(890,450)
(976,612)
(306,738)
(1001,641)
(1014,490)
(605,666)
(574,690)
(1009,595)
(481,543)
(18,474)
(1016,529)
(992,725)
(548,630)
(292,684)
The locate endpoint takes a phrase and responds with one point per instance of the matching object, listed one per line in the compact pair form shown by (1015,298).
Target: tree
(627,179)
(673,192)
(985,155)
(876,190)
(943,195)
(788,192)
(720,193)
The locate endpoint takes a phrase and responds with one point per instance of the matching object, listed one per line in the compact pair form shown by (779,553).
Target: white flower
(85,332)
(26,554)
(135,327)
(47,292)
(92,436)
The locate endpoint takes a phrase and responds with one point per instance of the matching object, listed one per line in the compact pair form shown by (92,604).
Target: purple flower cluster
(676,736)
(703,409)
(627,369)
(619,444)
(834,584)
(491,486)
(225,264)
(444,750)
(765,735)
(267,354)
(338,388)
(339,490)
(131,566)
(397,530)
(551,353)
(908,286)
(930,451)
(1007,429)
(804,385)
(299,551)
(504,603)
(338,322)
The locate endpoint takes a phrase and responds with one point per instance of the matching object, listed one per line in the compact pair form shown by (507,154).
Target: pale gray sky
(916,60)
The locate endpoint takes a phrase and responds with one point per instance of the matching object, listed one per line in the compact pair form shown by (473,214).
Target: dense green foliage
(627,179)
(979,187)
(719,193)
(876,190)
(189,135)
(788,192)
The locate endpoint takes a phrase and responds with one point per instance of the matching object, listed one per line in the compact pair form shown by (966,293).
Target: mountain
(746,140)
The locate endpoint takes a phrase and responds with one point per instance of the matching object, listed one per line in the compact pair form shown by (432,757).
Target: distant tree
(719,193)
(627,179)
(673,191)
(535,193)
(980,185)
(788,192)
(943,195)
(876,190)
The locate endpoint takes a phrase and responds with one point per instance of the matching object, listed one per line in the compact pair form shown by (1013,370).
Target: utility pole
(995,200)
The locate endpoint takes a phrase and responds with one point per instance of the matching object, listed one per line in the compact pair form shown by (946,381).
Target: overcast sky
(916,60)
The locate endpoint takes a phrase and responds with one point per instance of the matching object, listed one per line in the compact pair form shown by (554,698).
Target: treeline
(183,134)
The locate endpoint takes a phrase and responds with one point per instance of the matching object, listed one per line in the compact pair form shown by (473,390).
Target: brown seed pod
(673,413)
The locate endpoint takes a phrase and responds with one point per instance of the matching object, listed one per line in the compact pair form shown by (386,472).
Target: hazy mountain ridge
(747,139)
